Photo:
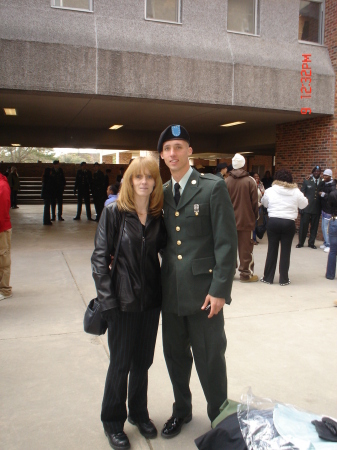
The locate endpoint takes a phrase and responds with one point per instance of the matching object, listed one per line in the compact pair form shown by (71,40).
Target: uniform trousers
(279,231)
(46,210)
(99,205)
(86,197)
(307,218)
(207,339)
(245,249)
(5,262)
(59,200)
(132,340)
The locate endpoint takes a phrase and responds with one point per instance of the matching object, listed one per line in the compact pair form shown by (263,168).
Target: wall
(198,61)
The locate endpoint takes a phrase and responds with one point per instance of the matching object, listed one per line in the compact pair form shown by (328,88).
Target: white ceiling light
(10,111)
(231,124)
(16,145)
(115,127)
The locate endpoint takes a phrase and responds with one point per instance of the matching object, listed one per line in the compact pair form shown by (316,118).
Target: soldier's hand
(214,304)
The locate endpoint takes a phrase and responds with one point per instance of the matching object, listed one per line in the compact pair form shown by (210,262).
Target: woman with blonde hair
(131,300)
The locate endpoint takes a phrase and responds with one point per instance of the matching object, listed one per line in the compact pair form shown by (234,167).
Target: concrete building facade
(74,68)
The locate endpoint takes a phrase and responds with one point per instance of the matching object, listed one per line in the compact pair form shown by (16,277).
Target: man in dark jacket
(243,192)
(59,183)
(327,186)
(98,190)
(311,213)
(83,184)
(198,267)
(221,170)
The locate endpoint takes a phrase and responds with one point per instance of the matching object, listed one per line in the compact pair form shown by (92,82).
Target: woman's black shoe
(146,429)
(299,246)
(173,426)
(118,441)
(312,246)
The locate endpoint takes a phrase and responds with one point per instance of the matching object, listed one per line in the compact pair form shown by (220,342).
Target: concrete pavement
(281,342)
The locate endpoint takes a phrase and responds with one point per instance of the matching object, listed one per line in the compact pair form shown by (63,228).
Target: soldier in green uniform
(310,214)
(198,268)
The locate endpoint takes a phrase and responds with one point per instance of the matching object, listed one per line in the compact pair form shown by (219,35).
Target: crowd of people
(97,185)
(198,223)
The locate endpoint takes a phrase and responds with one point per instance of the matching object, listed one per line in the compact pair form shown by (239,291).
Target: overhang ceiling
(63,120)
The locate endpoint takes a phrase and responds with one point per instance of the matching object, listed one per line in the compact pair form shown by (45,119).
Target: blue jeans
(325,223)
(331,267)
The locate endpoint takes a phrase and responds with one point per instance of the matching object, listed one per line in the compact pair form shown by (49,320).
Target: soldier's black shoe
(118,441)
(53,219)
(312,246)
(76,218)
(173,426)
(61,219)
(146,429)
(299,246)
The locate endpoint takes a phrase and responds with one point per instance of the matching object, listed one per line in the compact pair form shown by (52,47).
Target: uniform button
(176,213)
(196,213)
(178,242)
(180,257)
(210,271)
(177,228)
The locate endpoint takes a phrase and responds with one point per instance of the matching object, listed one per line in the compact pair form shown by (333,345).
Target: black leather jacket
(136,283)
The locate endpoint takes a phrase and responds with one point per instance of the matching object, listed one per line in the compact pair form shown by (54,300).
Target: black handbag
(260,230)
(93,323)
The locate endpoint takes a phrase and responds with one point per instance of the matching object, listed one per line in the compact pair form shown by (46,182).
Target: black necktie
(176,193)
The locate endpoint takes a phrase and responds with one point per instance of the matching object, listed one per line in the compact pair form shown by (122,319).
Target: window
(242,16)
(311,21)
(163,10)
(82,5)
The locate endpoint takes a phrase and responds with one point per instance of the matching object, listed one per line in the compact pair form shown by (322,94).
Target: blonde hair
(138,166)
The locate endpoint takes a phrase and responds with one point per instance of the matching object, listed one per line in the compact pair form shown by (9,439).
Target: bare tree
(26,154)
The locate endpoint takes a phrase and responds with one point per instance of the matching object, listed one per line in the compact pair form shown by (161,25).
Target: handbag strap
(118,245)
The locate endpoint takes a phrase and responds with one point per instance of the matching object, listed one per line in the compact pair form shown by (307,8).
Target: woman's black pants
(279,231)
(132,340)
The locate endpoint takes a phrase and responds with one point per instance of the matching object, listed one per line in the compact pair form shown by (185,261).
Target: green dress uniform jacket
(200,255)
(310,189)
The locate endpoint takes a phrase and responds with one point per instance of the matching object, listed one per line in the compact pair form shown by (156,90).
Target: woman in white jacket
(282,201)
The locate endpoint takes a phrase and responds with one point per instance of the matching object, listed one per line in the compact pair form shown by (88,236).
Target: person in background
(267,180)
(327,186)
(83,184)
(260,193)
(107,179)
(47,193)
(112,192)
(221,170)
(332,231)
(59,181)
(98,190)
(5,239)
(282,201)
(131,300)
(310,188)
(14,184)
(243,193)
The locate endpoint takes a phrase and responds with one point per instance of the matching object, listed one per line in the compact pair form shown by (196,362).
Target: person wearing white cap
(244,196)
(326,187)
